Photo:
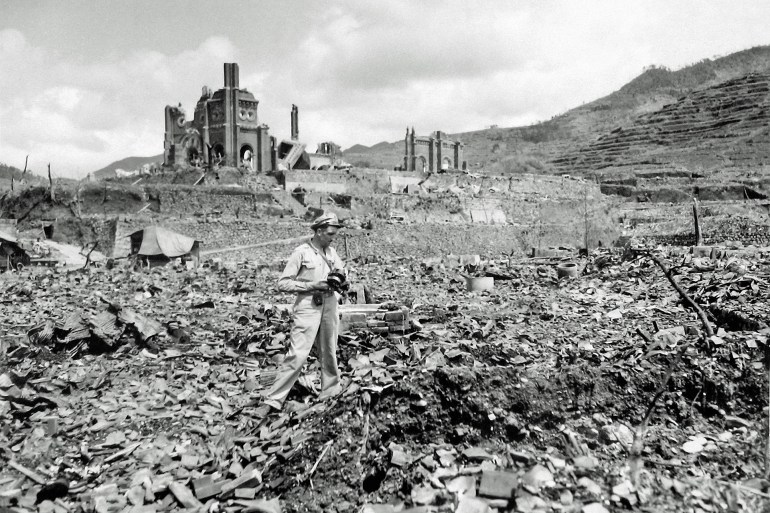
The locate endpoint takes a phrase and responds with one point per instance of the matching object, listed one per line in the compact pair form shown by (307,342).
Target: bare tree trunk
(698,234)
(77,211)
(23,173)
(50,183)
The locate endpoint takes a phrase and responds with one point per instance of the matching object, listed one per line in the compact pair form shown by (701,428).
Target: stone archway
(193,146)
(193,155)
(218,153)
(420,164)
(247,156)
(446,163)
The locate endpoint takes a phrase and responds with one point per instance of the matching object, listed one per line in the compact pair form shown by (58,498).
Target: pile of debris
(525,397)
(95,334)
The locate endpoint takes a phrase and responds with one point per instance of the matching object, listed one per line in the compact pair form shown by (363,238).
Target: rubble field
(138,391)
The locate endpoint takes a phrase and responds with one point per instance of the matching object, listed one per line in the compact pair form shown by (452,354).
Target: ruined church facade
(433,153)
(224,130)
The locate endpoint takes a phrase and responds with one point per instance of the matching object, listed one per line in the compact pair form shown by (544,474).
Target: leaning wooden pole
(698,234)
(637,446)
(88,256)
(685,296)
(585,217)
(767,437)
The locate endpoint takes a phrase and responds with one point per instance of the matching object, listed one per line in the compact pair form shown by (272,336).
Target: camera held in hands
(338,282)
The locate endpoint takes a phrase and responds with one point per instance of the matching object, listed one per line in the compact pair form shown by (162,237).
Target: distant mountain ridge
(128,164)
(360,148)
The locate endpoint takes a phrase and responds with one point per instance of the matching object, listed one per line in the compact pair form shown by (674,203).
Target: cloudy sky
(84,83)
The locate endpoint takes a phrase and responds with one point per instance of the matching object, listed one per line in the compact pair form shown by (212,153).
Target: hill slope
(8,172)
(543,146)
(718,127)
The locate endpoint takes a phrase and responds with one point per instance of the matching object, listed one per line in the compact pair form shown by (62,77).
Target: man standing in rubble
(315,311)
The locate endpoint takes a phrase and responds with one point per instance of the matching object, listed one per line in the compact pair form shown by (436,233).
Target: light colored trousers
(311,324)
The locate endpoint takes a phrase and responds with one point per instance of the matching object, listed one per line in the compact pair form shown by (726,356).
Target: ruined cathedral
(224,129)
(435,153)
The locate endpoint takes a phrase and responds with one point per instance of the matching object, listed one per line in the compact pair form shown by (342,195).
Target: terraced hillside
(553,145)
(719,127)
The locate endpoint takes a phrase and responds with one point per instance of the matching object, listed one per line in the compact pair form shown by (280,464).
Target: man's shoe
(273,404)
(329,393)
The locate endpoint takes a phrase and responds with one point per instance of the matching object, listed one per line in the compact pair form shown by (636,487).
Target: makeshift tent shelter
(12,256)
(157,246)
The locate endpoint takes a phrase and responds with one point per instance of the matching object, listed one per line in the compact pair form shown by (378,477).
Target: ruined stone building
(327,155)
(433,153)
(225,129)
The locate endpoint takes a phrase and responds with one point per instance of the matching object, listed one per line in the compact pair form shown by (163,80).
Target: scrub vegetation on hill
(541,143)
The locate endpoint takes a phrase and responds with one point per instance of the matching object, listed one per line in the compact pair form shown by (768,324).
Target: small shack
(12,256)
(155,246)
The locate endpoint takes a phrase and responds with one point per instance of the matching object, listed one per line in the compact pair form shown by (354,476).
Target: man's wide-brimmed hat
(325,220)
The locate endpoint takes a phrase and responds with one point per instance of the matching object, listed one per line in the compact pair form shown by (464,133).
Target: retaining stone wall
(423,240)
(185,201)
(378,181)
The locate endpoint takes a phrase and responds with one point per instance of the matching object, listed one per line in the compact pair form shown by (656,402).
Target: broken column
(231,92)
(294,123)
(264,149)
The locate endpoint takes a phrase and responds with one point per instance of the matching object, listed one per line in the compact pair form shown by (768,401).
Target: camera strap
(321,253)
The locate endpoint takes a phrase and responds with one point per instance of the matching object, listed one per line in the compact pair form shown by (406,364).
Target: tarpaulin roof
(160,241)
(8,237)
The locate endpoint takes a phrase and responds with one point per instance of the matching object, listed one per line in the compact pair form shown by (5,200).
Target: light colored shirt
(306,266)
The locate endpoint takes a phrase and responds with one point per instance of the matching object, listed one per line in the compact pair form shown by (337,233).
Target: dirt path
(292,240)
